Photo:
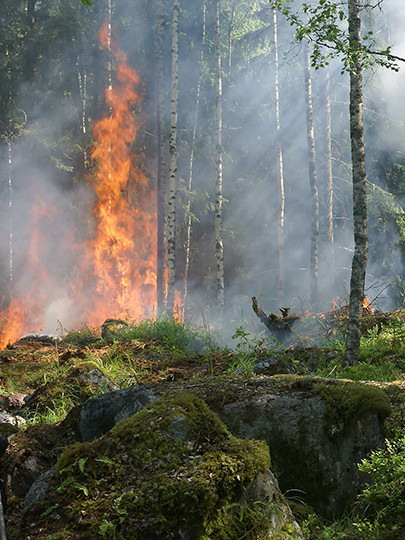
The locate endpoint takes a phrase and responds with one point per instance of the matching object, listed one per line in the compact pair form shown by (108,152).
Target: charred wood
(280,327)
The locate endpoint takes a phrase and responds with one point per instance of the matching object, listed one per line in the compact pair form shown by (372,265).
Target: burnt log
(280,327)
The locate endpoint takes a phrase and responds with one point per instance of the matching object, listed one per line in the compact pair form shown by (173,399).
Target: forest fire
(122,252)
(116,272)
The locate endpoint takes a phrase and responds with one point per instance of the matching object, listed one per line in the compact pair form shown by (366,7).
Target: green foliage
(323,26)
(381,357)
(248,348)
(385,494)
(170,335)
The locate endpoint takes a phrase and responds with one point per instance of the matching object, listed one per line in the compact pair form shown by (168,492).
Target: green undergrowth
(173,466)
(167,335)
(171,335)
(381,358)
(379,513)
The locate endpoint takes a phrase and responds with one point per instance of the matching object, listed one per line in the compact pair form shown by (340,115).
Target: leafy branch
(323,25)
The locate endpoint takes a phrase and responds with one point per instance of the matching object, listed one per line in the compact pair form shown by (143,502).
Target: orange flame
(124,244)
(116,275)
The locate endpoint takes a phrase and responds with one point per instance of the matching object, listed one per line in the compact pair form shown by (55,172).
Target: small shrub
(385,494)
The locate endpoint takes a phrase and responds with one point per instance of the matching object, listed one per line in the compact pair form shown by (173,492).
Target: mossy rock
(170,471)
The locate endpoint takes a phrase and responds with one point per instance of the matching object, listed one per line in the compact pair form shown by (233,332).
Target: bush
(385,494)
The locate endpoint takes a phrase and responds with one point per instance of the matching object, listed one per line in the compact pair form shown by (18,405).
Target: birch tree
(313,182)
(219,245)
(279,164)
(171,203)
(161,285)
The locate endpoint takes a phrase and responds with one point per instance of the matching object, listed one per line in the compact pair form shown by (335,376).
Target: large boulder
(318,430)
(172,470)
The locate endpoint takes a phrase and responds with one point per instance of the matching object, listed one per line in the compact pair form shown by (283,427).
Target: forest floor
(168,352)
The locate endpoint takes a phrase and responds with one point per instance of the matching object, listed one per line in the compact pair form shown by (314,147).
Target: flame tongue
(124,246)
(116,275)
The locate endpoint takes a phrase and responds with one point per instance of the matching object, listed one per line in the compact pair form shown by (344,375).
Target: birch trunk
(10,213)
(161,282)
(82,82)
(329,187)
(191,161)
(229,45)
(280,169)
(171,212)
(219,245)
(359,263)
(313,269)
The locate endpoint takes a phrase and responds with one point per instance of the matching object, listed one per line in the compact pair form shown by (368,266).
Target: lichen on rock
(172,470)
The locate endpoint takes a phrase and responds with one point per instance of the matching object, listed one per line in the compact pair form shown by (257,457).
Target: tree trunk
(359,264)
(30,49)
(280,170)
(171,213)
(219,245)
(161,281)
(10,212)
(329,187)
(314,289)
(229,39)
(191,160)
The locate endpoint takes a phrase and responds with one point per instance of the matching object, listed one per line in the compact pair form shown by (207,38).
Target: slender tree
(191,159)
(219,244)
(279,163)
(329,161)
(161,282)
(171,213)
(359,264)
(313,269)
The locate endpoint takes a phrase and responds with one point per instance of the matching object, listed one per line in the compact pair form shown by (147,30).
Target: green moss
(172,466)
(347,400)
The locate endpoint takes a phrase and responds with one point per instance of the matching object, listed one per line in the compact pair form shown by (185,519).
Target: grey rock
(308,454)
(38,489)
(98,415)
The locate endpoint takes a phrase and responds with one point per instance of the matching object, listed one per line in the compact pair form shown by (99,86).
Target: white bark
(161,164)
(280,168)
(219,245)
(313,270)
(171,213)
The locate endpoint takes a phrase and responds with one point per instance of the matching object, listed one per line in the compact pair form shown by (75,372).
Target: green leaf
(82,463)
(105,459)
(81,487)
(87,2)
